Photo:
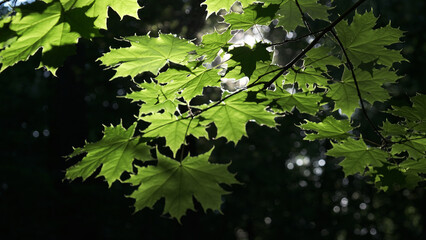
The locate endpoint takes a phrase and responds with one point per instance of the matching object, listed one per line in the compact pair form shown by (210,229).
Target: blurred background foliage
(290,189)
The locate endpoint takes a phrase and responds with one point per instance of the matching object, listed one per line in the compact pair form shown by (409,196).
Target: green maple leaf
(267,70)
(230,117)
(412,169)
(53,27)
(329,128)
(415,113)
(304,102)
(214,6)
(173,128)
(247,58)
(365,44)
(345,94)
(189,82)
(320,57)
(154,99)
(147,54)
(390,129)
(99,9)
(291,17)
(307,79)
(212,43)
(416,147)
(253,15)
(115,152)
(178,182)
(357,156)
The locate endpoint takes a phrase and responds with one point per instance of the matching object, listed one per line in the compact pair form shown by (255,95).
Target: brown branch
(351,68)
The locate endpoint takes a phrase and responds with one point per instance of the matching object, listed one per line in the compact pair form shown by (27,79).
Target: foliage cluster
(343,68)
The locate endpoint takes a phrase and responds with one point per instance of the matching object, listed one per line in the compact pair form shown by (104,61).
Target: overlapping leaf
(357,156)
(305,102)
(290,13)
(115,152)
(247,58)
(329,128)
(154,99)
(370,85)
(253,15)
(212,43)
(214,6)
(147,54)
(415,115)
(174,129)
(99,9)
(365,44)
(230,117)
(307,79)
(188,82)
(178,182)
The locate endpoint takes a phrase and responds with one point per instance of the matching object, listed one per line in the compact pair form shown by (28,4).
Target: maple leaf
(115,152)
(357,156)
(329,128)
(178,182)
(364,44)
(305,102)
(154,98)
(414,116)
(390,129)
(307,79)
(253,15)
(230,117)
(46,26)
(416,147)
(415,113)
(147,54)
(370,85)
(267,70)
(290,13)
(320,57)
(214,6)
(212,43)
(189,82)
(174,129)
(99,9)
(247,57)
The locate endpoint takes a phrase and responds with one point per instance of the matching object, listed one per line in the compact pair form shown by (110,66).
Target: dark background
(42,117)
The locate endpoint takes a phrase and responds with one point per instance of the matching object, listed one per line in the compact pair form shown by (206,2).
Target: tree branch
(312,44)
(351,68)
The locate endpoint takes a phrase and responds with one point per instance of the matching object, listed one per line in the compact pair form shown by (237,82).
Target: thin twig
(305,21)
(296,39)
(351,68)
